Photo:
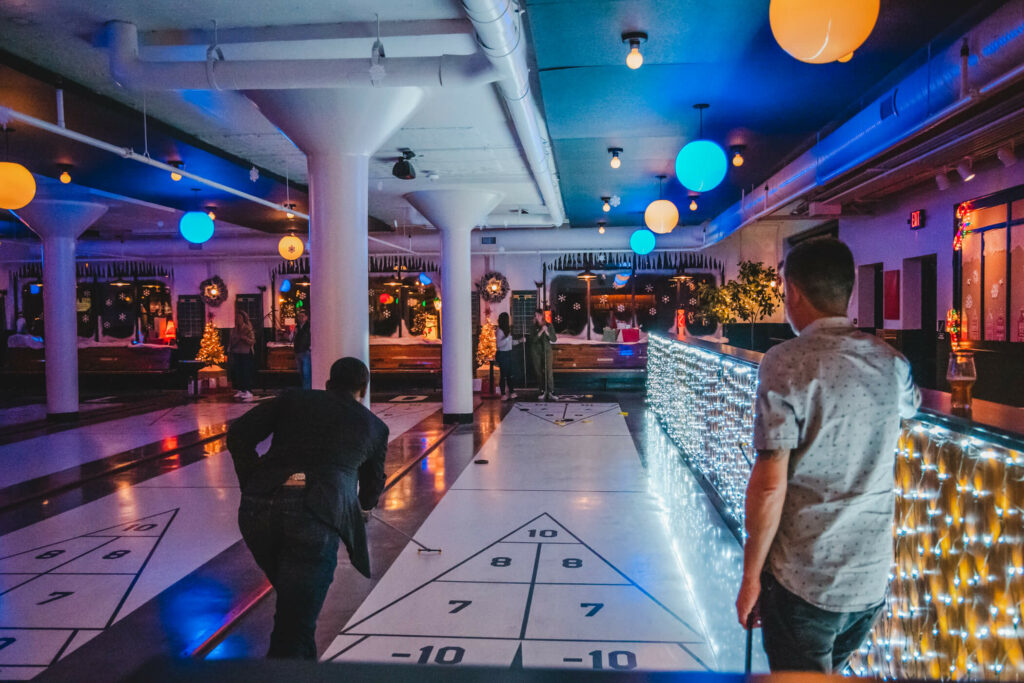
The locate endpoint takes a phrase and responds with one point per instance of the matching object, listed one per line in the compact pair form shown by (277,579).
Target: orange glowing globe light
(17,186)
(290,247)
(822,31)
(661,216)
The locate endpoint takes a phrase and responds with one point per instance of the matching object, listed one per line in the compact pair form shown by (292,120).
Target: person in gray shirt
(820,501)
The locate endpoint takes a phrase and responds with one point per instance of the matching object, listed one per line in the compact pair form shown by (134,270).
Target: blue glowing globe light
(286,285)
(701,165)
(425,279)
(642,241)
(196,227)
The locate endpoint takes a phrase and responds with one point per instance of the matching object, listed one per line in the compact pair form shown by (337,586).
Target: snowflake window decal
(576,306)
(603,299)
(664,299)
(621,308)
(693,301)
(386,313)
(122,317)
(558,318)
(648,288)
(561,298)
(108,302)
(652,310)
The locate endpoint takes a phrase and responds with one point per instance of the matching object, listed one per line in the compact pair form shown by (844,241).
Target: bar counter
(957,585)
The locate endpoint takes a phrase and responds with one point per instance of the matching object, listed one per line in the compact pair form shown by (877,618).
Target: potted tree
(753,296)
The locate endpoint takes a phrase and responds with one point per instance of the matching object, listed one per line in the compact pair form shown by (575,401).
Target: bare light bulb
(606,207)
(600,230)
(737,159)
(634,60)
(693,205)
(65,177)
(212,215)
(289,215)
(616,161)
(175,176)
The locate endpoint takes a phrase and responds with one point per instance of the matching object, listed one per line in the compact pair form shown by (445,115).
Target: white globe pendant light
(661,215)
(822,31)
(701,164)
(290,247)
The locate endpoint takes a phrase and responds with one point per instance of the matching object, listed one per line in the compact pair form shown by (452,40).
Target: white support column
(455,213)
(338,129)
(59,223)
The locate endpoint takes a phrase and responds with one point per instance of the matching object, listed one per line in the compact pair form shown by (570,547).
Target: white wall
(885,237)
(241,277)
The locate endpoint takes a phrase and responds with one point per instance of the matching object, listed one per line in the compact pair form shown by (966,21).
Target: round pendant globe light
(661,215)
(425,280)
(286,285)
(822,31)
(17,186)
(290,247)
(196,227)
(642,241)
(701,164)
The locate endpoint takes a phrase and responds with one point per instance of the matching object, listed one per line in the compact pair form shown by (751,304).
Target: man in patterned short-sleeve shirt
(820,501)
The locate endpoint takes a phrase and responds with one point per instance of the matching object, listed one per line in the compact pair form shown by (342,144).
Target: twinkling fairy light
(957,583)
(705,402)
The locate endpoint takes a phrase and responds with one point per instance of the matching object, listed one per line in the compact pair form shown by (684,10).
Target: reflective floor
(558,549)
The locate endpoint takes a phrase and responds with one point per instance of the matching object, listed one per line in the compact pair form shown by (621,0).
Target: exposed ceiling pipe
(127,153)
(926,98)
(499,31)
(217,73)
(511,240)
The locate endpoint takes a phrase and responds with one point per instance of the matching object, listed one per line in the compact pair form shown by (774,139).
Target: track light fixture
(634,60)
(403,168)
(1006,156)
(606,204)
(615,152)
(942,180)
(966,170)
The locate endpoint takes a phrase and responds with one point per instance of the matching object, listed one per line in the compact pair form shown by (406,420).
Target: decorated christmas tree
(487,345)
(211,351)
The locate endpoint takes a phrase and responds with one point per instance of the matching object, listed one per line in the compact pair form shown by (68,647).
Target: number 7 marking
(56,595)
(462,604)
(595,607)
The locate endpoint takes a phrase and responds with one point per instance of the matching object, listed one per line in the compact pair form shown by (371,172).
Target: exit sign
(916,220)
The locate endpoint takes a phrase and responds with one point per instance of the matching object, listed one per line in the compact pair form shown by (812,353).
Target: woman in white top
(503,340)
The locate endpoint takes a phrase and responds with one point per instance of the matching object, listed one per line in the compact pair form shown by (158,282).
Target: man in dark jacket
(300,498)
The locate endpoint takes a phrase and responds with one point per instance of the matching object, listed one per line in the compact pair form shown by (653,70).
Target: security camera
(403,168)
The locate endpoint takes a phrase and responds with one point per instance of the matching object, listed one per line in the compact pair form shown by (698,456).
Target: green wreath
(213,291)
(493,287)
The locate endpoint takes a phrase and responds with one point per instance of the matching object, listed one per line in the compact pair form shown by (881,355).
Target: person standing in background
(243,364)
(503,340)
(820,501)
(301,343)
(542,337)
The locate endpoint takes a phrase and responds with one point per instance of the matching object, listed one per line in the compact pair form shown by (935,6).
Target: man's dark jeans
(801,637)
(298,553)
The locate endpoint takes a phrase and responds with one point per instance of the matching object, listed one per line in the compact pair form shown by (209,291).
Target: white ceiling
(461,135)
